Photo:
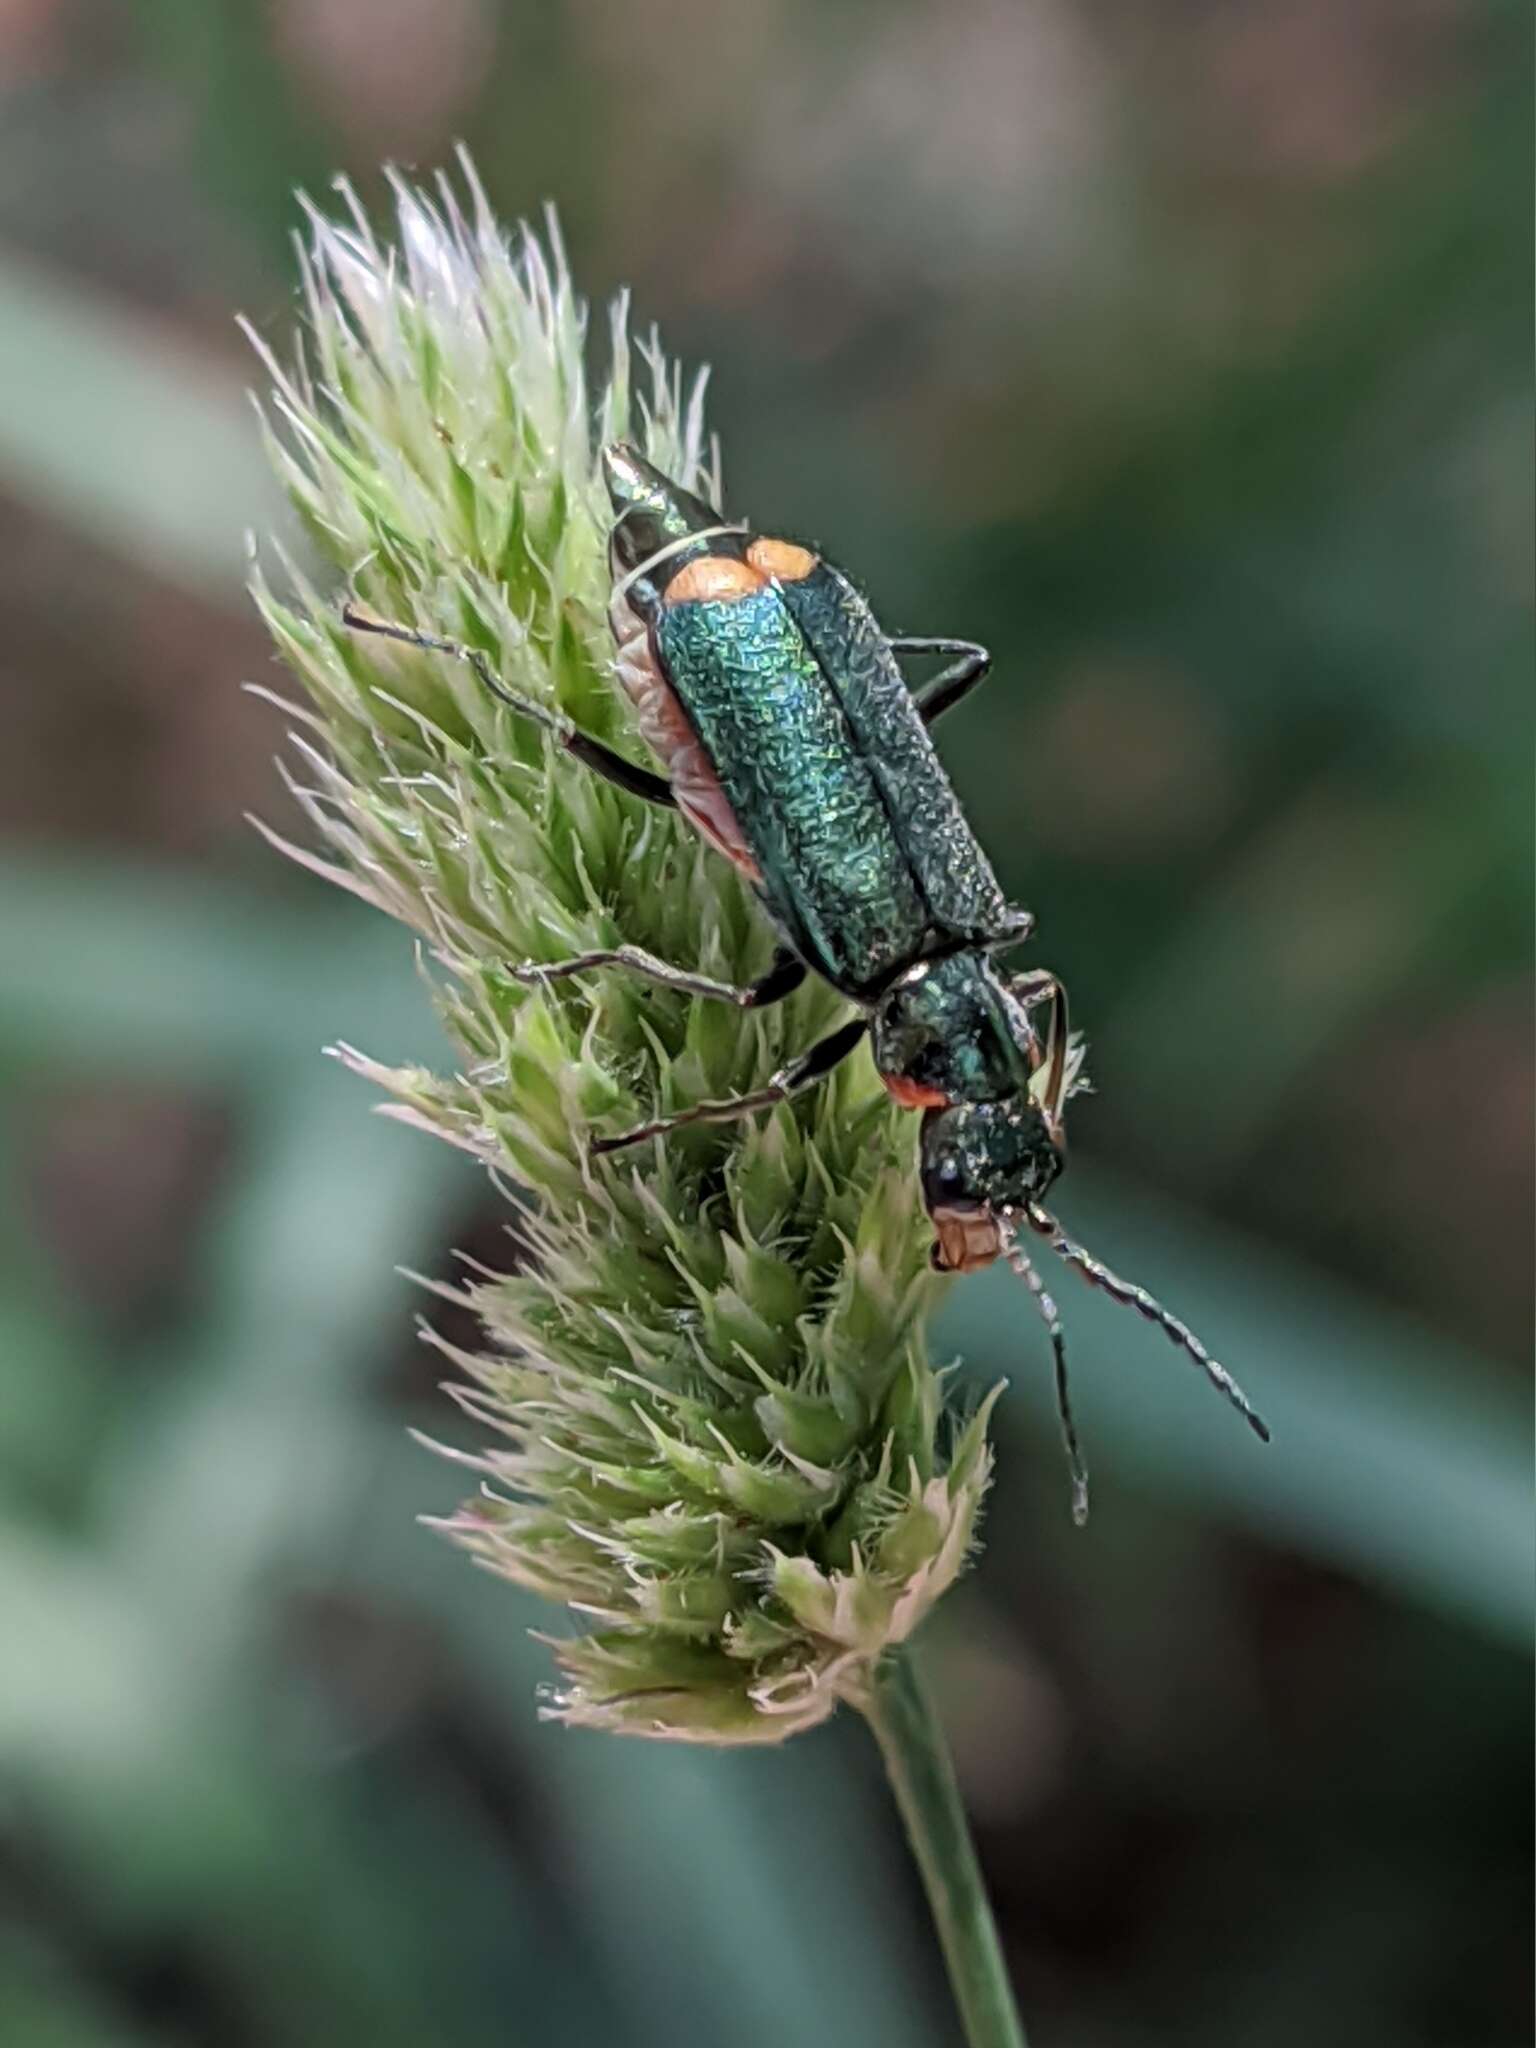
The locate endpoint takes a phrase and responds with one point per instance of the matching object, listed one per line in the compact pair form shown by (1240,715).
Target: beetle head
(980,1162)
(651,513)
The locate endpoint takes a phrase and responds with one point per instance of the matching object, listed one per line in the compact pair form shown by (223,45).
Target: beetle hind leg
(781,979)
(811,1067)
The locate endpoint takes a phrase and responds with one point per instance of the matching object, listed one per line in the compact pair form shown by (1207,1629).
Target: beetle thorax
(950,1032)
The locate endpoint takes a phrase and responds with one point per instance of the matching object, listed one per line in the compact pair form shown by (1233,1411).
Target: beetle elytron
(792,742)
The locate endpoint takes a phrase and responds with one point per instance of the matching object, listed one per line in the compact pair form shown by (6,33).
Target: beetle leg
(1015,929)
(782,978)
(592,753)
(1058,1039)
(950,684)
(811,1066)
(1036,987)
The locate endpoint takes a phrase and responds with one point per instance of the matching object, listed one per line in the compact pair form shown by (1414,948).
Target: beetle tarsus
(811,1067)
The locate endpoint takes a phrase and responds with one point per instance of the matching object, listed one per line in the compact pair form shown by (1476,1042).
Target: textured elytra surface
(866,856)
(807,800)
(668,732)
(952,874)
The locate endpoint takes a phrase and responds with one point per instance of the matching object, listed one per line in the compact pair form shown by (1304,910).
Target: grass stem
(917,1762)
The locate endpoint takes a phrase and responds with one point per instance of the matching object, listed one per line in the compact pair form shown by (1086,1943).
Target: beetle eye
(947,1176)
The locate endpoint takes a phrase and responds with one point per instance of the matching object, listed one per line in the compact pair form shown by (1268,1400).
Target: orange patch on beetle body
(781,559)
(910,1094)
(720,577)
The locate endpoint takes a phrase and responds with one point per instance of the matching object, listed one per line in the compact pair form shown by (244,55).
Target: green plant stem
(917,1762)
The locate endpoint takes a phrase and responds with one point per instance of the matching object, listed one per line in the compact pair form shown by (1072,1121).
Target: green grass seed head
(706,1420)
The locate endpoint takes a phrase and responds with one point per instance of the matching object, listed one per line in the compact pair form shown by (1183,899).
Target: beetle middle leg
(593,753)
(781,979)
(811,1067)
(951,684)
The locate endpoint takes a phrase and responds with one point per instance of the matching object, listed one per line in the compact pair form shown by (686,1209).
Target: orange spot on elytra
(781,558)
(714,576)
(912,1094)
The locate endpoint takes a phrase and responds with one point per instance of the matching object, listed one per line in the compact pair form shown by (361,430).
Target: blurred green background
(1182,355)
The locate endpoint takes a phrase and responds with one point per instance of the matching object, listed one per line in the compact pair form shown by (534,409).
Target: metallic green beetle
(792,742)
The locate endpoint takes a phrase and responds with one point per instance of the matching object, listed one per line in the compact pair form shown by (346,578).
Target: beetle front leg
(1040,986)
(781,980)
(950,685)
(593,753)
(811,1066)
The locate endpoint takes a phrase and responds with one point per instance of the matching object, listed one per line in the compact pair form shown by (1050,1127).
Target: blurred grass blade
(154,970)
(126,433)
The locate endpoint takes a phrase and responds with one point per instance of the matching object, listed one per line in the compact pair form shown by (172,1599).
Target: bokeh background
(1181,353)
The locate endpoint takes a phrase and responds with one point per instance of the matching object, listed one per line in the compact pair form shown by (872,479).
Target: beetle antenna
(1052,1320)
(1097,1274)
